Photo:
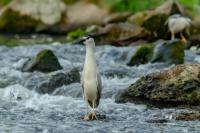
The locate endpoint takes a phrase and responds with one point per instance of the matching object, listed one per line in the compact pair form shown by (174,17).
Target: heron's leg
(93,111)
(86,117)
(183,38)
(172,35)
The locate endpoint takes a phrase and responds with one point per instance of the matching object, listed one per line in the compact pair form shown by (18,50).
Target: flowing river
(62,111)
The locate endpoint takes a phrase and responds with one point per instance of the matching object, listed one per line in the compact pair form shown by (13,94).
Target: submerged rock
(45,61)
(142,55)
(47,83)
(188,116)
(171,52)
(180,85)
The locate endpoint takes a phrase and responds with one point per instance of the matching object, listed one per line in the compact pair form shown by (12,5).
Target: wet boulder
(179,85)
(188,115)
(22,16)
(171,52)
(45,61)
(117,17)
(47,83)
(142,55)
(120,34)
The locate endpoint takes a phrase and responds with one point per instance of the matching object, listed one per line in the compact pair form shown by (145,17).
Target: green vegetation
(4,2)
(71,36)
(141,5)
(133,5)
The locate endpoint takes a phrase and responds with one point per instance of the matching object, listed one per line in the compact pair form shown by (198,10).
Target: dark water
(62,111)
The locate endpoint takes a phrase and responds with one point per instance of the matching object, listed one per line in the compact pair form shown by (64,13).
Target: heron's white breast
(90,75)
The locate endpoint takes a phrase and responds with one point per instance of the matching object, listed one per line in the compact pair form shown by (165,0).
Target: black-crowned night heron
(91,80)
(178,23)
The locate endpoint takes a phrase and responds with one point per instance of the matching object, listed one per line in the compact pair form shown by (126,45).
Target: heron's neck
(90,58)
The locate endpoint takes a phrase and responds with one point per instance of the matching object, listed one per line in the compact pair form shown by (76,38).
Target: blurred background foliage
(132,5)
(4,2)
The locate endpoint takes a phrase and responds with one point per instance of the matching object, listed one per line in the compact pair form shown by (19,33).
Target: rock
(194,41)
(156,25)
(194,33)
(22,16)
(154,20)
(142,55)
(72,90)
(179,85)
(47,83)
(138,18)
(93,13)
(157,120)
(188,116)
(171,52)
(120,34)
(45,61)
(117,17)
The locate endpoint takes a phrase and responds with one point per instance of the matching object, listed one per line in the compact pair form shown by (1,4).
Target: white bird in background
(91,80)
(176,24)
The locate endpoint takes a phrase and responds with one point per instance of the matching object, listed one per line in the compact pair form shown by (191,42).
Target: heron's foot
(94,116)
(90,116)
(87,117)
(183,39)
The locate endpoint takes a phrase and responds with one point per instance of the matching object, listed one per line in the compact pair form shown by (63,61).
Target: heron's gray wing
(99,88)
(82,82)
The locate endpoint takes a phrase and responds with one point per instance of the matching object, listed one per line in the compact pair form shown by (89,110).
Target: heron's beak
(79,41)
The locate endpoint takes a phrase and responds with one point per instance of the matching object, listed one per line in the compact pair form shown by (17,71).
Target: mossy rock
(179,85)
(156,25)
(171,52)
(142,55)
(13,21)
(45,61)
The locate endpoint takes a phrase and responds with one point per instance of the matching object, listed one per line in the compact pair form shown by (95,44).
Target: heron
(176,24)
(91,80)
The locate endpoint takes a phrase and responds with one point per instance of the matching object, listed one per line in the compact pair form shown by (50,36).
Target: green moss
(177,53)
(156,24)
(194,98)
(137,18)
(71,36)
(143,55)
(17,23)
